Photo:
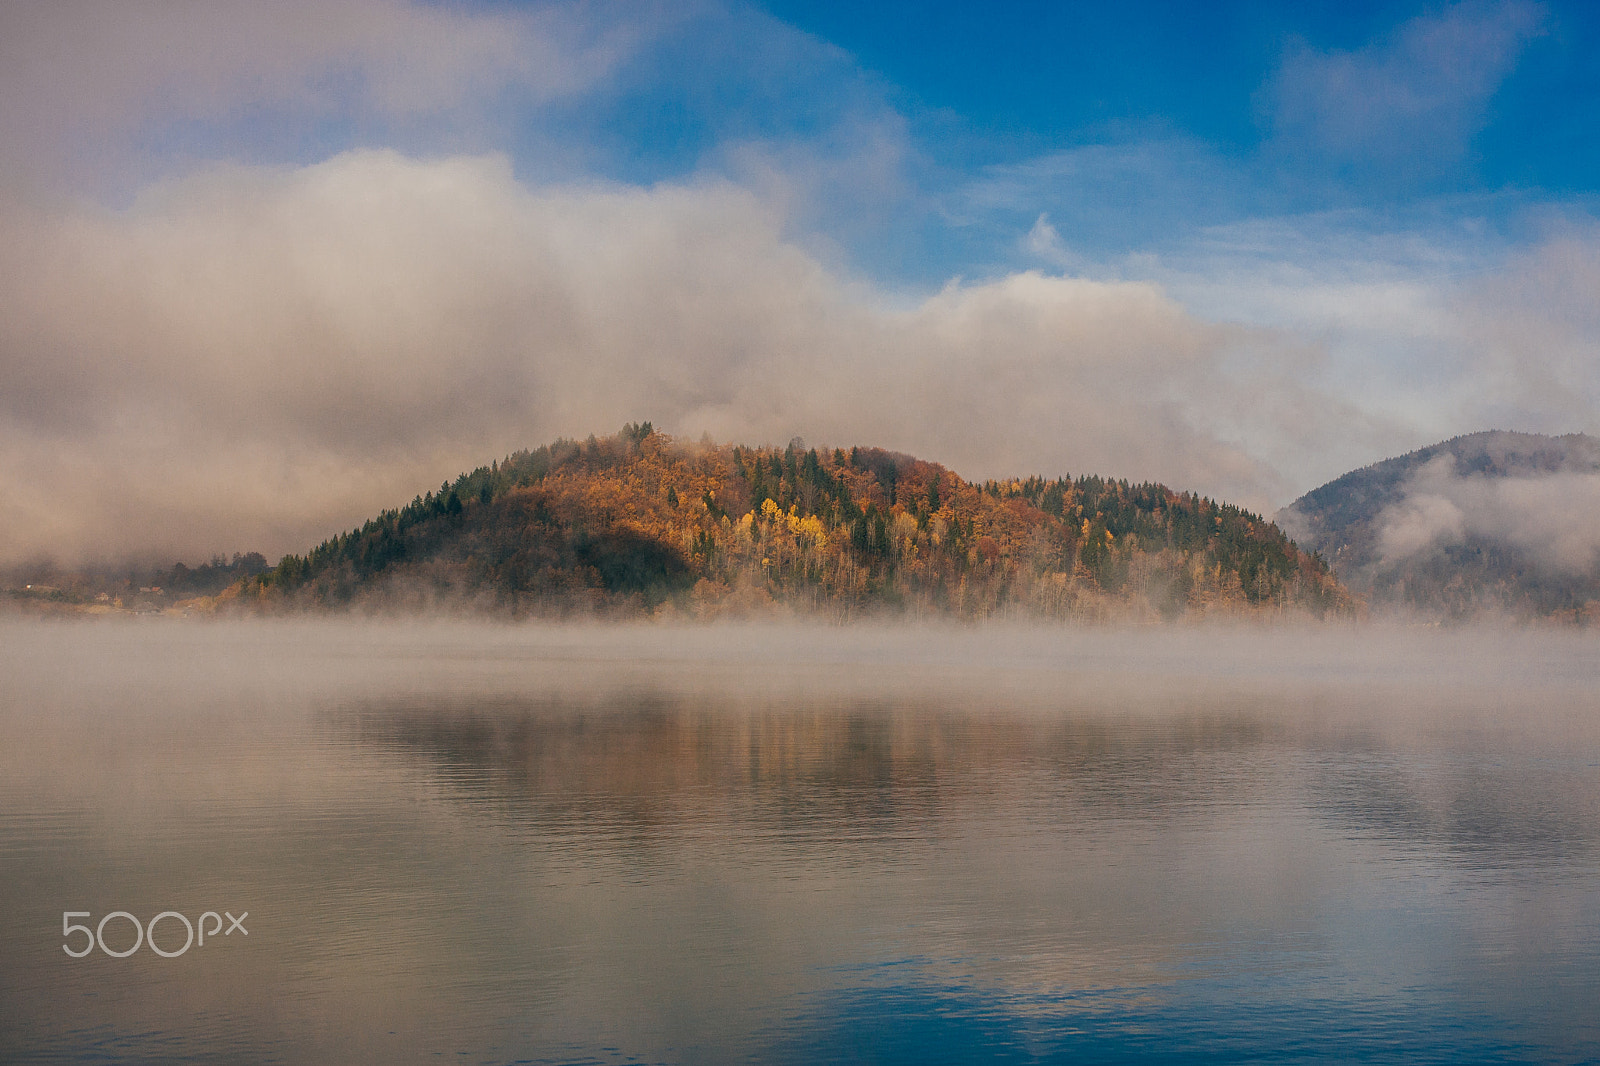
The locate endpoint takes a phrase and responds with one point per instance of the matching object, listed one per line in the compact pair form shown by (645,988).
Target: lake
(451,842)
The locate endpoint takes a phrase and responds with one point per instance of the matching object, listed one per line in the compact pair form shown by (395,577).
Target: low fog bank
(1374,670)
(659,732)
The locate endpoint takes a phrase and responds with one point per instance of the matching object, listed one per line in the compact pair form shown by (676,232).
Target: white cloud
(1409,102)
(251,358)
(1042,242)
(1549,516)
(1531,332)
(1425,517)
(95,84)
(1423,331)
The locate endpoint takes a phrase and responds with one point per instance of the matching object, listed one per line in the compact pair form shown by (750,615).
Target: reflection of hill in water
(666,759)
(853,773)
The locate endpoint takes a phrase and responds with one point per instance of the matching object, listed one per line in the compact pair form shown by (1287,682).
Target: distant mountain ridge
(639,522)
(1490,522)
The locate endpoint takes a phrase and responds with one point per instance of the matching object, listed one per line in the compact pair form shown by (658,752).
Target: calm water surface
(474,844)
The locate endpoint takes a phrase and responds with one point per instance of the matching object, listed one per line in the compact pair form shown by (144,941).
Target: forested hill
(1491,523)
(639,522)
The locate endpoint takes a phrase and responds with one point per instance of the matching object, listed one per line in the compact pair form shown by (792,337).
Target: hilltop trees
(639,521)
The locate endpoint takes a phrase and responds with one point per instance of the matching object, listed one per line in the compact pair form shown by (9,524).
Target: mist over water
(640,843)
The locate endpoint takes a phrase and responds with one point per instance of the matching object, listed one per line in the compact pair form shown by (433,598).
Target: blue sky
(1240,247)
(1132,125)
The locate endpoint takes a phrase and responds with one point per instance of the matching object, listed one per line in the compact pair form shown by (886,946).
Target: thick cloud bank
(254,358)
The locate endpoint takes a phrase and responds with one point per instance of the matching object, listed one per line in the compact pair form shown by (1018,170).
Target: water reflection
(664,762)
(859,762)
(1475,806)
(525,848)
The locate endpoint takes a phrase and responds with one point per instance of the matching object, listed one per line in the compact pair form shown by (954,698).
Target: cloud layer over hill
(244,355)
(1550,517)
(265,269)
